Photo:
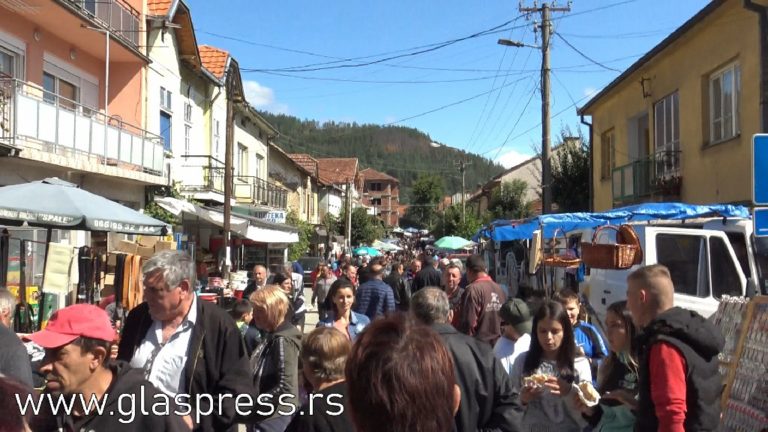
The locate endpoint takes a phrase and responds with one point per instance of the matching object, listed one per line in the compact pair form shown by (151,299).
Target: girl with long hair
(545,377)
(340,298)
(617,376)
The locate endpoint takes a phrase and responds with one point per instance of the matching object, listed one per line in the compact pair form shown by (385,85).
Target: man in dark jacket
(428,276)
(185,345)
(488,402)
(374,298)
(401,289)
(77,342)
(679,383)
(257,282)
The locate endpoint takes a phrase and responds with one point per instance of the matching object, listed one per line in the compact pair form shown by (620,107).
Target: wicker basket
(609,256)
(555,260)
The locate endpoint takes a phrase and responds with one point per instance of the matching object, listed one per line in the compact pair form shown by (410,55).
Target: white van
(702,262)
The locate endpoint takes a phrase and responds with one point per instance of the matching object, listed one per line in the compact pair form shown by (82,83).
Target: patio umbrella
(386,247)
(54,203)
(366,250)
(452,243)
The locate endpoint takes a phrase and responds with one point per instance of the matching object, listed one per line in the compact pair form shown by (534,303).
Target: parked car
(309,264)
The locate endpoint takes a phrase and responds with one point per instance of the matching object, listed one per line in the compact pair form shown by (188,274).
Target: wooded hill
(402,152)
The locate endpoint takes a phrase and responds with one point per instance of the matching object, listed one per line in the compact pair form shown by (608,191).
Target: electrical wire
(482,78)
(586,56)
(519,118)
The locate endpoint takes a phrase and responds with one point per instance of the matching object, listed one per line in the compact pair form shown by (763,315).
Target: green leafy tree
(426,193)
(300,248)
(570,173)
(450,224)
(152,209)
(365,228)
(508,201)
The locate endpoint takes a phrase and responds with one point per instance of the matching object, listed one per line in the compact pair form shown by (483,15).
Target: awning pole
(41,301)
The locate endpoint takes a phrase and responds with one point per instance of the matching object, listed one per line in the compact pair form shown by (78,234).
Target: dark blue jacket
(374,298)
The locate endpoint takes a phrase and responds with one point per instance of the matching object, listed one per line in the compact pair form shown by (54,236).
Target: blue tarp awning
(501,230)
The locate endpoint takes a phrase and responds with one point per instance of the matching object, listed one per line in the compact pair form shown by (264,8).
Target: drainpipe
(591,158)
(763,14)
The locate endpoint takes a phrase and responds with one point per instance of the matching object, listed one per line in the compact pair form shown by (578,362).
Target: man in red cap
(103,395)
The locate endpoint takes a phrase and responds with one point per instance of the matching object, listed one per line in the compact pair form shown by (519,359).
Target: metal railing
(33,118)
(643,177)
(201,173)
(119,17)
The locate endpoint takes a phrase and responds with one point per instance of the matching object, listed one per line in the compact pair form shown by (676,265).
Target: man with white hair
(14,361)
(185,345)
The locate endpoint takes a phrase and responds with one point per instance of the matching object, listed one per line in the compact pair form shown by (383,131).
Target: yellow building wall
(710,173)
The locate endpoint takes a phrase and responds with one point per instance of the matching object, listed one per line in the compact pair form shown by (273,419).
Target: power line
(452,104)
(519,118)
(586,56)
(420,50)
(483,78)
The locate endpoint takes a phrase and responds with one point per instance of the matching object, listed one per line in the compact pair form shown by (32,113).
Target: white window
(11,56)
(187,138)
(165,99)
(242,160)
(666,113)
(724,95)
(259,162)
(8,63)
(187,112)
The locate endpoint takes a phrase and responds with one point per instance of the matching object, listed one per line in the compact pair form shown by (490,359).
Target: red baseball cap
(72,322)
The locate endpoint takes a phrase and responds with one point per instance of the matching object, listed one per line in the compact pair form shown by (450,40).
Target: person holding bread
(547,376)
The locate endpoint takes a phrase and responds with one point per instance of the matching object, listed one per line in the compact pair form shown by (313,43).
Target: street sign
(760,221)
(760,169)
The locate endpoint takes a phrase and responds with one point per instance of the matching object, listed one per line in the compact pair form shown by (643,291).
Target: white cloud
(262,97)
(512,158)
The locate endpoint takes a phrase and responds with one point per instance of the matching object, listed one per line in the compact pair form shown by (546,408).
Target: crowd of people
(425,345)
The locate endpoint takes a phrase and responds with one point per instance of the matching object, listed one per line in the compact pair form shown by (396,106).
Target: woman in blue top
(342,297)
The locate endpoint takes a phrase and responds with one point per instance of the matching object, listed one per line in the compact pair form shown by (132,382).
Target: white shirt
(507,350)
(166,361)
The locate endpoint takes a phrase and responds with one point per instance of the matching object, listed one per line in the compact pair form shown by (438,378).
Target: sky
(434,65)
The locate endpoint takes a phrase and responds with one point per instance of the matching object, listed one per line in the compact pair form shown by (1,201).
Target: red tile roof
(306,161)
(214,59)
(337,170)
(372,174)
(158,7)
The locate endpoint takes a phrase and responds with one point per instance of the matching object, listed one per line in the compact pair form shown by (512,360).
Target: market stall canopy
(502,230)
(366,251)
(453,243)
(245,226)
(55,203)
(386,247)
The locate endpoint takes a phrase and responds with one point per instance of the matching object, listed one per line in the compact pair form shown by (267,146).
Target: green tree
(426,193)
(152,209)
(365,228)
(451,224)
(300,248)
(508,201)
(570,173)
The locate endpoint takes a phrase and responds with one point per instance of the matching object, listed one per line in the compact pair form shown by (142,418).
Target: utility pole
(546,28)
(462,166)
(349,216)
(233,97)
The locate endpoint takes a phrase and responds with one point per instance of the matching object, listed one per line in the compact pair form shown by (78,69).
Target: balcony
(203,177)
(120,18)
(654,176)
(47,127)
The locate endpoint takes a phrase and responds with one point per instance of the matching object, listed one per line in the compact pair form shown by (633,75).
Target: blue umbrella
(366,251)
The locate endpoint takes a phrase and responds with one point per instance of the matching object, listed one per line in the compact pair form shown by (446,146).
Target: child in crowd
(515,332)
(617,377)
(589,341)
(545,377)
(242,313)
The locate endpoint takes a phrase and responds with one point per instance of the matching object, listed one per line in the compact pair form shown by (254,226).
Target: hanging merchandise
(728,318)
(553,259)
(745,398)
(98,269)
(85,274)
(135,287)
(612,256)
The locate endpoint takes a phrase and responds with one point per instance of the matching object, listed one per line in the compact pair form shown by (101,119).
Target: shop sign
(277,217)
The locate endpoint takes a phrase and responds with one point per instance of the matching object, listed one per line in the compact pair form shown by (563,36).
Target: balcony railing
(119,17)
(203,173)
(658,174)
(33,118)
